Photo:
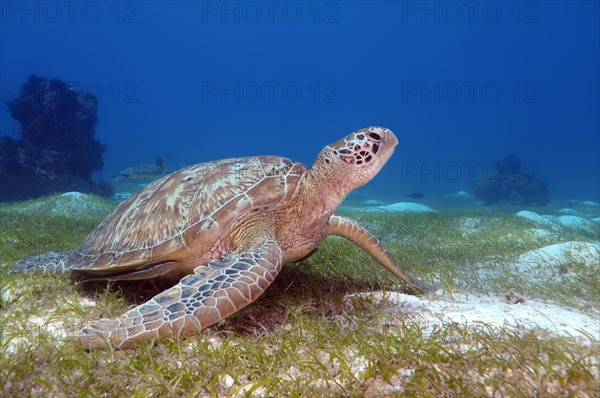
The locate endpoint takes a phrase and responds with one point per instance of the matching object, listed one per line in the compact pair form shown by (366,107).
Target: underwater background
(461,84)
(492,195)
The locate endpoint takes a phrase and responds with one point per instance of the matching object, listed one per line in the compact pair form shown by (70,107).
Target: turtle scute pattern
(167,216)
(212,293)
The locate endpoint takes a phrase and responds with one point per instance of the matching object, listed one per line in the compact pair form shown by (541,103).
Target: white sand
(400,207)
(558,256)
(567,220)
(576,223)
(471,309)
(536,218)
(403,207)
(407,207)
(590,203)
(547,264)
(569,211)
(69,204)
(373,202)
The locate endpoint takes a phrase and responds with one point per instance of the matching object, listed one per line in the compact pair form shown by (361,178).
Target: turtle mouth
(385,147)
(390,148)
(391,139)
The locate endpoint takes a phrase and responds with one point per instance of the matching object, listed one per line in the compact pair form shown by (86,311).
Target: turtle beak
(393,141)
(388,141)
(388,145)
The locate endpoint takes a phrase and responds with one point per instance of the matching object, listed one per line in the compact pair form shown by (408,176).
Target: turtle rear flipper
(212,293)
(46,264)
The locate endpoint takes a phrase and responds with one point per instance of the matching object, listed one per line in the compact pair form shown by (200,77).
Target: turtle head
(356,159)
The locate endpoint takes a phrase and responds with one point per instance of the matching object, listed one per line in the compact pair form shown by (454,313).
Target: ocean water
(461,84)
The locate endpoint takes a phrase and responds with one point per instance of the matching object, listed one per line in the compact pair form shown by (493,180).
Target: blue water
(461,84)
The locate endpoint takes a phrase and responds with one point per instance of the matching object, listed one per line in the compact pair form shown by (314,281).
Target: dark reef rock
(56,150)
(509,184)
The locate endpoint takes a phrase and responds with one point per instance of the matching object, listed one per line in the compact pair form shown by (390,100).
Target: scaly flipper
(352,230)
(212,293)
(46,264)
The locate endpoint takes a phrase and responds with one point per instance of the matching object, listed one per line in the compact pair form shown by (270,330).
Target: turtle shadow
(134,292)
(297,286)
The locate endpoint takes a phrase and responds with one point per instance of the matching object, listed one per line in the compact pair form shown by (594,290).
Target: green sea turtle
(223,230)
(145,172)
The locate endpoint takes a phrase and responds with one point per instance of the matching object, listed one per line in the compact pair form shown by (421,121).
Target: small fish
(415,195)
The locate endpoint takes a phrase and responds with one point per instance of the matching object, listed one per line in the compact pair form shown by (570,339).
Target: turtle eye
(375,136)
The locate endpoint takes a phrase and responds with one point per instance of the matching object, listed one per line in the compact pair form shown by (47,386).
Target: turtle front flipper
(352,230)
(212,293)
(47,263)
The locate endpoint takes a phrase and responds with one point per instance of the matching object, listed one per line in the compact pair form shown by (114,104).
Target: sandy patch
(549,263)
(472,309)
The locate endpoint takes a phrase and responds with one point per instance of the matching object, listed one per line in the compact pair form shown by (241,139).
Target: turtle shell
(182,216)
